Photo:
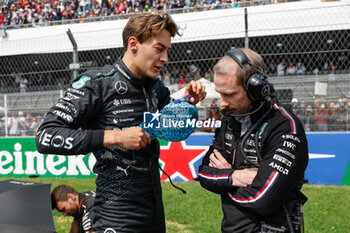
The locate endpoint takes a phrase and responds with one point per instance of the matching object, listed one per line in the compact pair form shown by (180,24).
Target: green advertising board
(20,158)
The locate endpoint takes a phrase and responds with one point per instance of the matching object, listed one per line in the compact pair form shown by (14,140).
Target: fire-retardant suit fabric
(128,191)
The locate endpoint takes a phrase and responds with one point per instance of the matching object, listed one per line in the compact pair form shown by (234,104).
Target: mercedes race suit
(111,98)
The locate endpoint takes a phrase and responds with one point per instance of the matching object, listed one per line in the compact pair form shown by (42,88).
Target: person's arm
(65,127)
(75,227)
(88,212)
(212,178)
(282,168)
(217,175)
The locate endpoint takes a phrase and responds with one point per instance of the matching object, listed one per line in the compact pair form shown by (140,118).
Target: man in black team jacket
(78,205)
(101,112)
(259,155)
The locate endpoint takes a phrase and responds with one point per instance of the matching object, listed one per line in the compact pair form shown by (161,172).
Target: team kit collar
(126,73)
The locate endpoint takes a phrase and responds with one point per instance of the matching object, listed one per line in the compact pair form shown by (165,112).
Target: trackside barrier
(329,159)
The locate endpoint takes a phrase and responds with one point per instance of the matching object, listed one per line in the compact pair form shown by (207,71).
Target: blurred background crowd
(23,13)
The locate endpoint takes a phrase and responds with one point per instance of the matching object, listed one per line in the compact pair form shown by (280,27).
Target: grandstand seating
(20,14)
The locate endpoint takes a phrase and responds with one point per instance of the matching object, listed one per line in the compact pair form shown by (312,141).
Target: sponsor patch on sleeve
(81,82)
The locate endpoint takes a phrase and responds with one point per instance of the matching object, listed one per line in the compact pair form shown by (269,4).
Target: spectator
(281,67)
(18,76)
(16,124)
(40,82)
(175,73)
(50,82)
(23,84)
(181,83)
(322,116)
(348,115)
(194,72)
(2,17)
(209,74)
(33,126)
(166,77)
(2,126)
(291,70)
(309,119)
(295,106)
(300,69)
(214,115)
(326,64)
(31,81)
(331,107)
(342,63)
(235,4)
(338,118)
(27,122)
(302,110)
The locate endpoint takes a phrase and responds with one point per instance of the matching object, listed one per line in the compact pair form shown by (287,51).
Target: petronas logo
(81,82)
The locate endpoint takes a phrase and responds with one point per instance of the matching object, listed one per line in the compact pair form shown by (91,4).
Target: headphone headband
(256,85)
(239,57)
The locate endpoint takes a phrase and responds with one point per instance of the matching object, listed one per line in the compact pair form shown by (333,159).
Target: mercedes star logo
(265,91)
(121,87)
(110,230)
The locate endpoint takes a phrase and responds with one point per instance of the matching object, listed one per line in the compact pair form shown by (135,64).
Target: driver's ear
(132,44)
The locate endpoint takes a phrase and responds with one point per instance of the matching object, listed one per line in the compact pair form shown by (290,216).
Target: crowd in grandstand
(315,64)
(176,77)
(322,115)
(40,12)
(20,124)
(319,115)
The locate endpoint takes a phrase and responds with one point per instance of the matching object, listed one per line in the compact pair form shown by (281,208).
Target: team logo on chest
(109,230)
(121,87)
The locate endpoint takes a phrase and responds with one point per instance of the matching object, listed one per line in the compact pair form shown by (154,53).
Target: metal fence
(310,66)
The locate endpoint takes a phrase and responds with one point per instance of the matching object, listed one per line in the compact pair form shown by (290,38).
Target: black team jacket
(284,158)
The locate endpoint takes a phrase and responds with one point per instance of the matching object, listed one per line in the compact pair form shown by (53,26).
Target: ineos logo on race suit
(57,141)
(81,82)
(121,87)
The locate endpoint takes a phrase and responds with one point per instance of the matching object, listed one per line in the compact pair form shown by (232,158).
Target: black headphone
(257,87)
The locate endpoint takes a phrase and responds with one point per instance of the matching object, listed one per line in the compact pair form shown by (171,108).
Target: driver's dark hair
(60,194)
(143,26)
